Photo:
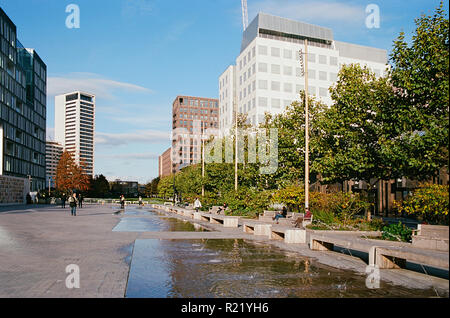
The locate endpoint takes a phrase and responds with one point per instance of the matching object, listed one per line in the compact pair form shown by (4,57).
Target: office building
(23,107)
(53,152)
(268,76)
(165,163)
(192,117)
(75,126)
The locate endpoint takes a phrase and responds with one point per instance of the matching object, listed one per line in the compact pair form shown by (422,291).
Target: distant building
(53,152)
(75,126)
(192,117)
(165,163)
(127,188)
(23,108)
(267,75)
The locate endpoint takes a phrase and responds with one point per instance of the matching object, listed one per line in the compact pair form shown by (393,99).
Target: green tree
(420,74)
(354,138)
(99,187)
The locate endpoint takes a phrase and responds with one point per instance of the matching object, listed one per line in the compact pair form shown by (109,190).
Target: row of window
(199,103)
(24,168)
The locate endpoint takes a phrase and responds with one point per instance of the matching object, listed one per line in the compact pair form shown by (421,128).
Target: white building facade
(267,76)
(75,126)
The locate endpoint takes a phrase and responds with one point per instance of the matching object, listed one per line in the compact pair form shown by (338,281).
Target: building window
(287,54)
(322,76)
(262,49)
(322,59)
(287,70)
(262,67)
(323,92)
(275,52)
(276,103)
(288,87)
(262,102)
(275,69)
(333,60)
(275,86)
(262,84)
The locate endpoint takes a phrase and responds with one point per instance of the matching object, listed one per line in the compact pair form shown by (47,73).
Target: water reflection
(149,221)
(237,268)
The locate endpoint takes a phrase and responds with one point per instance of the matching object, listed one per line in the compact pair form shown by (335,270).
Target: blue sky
(138,55)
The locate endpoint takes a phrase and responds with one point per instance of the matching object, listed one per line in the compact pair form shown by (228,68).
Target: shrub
(397,232)
(292,196)
(428,203)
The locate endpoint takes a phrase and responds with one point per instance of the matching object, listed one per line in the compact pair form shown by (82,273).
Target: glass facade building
(23,107)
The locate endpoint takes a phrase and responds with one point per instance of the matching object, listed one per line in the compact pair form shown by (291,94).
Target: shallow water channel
(233,268)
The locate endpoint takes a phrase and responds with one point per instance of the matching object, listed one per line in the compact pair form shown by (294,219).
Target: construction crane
(244,14)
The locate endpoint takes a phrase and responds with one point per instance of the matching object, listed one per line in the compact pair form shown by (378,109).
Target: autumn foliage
(69,175)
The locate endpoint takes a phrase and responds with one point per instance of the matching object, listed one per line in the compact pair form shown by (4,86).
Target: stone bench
(384,254)
(288,234)
(433,237)
(257,228)
(215,210)
(392,257)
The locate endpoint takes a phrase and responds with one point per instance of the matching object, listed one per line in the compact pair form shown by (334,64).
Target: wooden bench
(434,237)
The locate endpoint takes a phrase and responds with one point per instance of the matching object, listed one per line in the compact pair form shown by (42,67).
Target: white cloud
(143,136)
(314,12)
(91,83)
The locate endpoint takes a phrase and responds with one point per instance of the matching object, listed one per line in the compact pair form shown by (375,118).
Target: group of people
(75,199)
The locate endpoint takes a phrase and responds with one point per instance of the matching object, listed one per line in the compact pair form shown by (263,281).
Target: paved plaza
(37,243)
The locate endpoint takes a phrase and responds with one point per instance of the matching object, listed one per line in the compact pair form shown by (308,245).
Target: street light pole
(305,73)
(203,165)
(236,148)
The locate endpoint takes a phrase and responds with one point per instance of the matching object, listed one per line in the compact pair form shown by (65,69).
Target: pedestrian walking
(63,201)
(80,201)
(140,201)
(73,204)
(122,202)
(197,204)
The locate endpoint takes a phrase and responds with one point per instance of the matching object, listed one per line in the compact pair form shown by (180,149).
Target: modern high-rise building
(23,107)
(53,152)
(268,77)
(192,117)
(75,126)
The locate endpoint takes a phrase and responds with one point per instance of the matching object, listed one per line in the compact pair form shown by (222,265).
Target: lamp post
(304,64)
(236,148)
(203,164)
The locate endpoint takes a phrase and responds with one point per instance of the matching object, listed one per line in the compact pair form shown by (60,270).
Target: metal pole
(306,129)
(236,150)
(203,165)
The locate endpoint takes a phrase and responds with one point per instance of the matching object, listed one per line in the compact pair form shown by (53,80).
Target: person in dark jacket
(283,214)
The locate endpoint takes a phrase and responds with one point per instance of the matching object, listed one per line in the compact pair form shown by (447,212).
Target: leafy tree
(70,176)
(420,74)
(99,187)
(291,139)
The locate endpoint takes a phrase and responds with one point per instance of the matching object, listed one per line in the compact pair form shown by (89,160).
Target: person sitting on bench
(283,214)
